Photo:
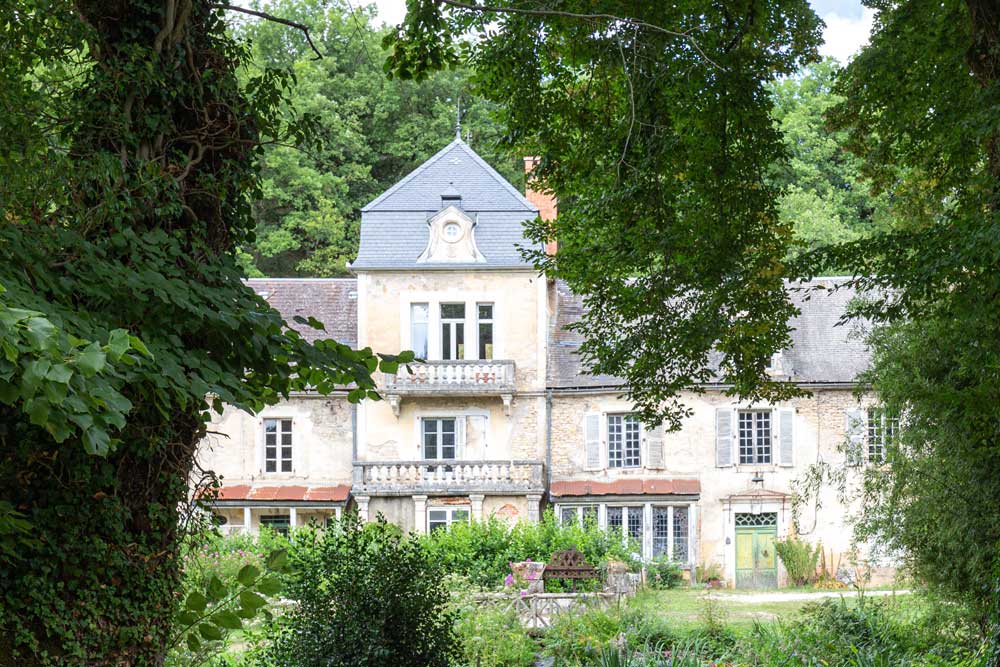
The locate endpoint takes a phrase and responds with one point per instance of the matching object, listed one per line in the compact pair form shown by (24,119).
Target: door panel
(756,561)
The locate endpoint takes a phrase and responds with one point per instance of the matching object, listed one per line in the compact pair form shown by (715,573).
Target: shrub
(576,639)
(663,573)
(483,550)
(367,595)
(494,638)
(708,572)
(799,559)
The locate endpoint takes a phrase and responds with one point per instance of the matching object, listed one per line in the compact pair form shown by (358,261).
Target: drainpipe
(548,443)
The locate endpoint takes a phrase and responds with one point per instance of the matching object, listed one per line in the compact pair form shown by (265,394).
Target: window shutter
(460,437)
(857,424)
(654,447)
(723,437)
(592,437)
(786,436)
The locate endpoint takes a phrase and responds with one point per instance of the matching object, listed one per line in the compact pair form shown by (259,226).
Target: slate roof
(394,227)
(332,301)
(821,352)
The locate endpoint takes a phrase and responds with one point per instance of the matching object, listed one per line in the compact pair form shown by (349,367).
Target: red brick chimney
(546,203)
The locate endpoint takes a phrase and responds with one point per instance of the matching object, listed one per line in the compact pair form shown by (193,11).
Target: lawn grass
(685,608)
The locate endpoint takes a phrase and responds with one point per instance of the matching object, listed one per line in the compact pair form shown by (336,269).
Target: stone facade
(505,423)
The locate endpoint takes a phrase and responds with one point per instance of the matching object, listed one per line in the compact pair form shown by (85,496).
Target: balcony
(403,478)
(441,378)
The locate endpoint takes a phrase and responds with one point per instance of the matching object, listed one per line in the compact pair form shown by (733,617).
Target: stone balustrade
(459,477)
(458,376)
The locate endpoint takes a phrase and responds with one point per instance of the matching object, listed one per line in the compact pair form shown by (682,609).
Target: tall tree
(653,124)
(373,131)
(126,184)
(825,199)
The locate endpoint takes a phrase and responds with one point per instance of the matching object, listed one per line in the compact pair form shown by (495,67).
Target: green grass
(684,608)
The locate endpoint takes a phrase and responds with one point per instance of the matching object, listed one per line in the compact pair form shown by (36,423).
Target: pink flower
(524,593)
(508,580)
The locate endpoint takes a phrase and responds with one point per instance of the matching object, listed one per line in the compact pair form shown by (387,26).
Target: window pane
(632,443)
(271,465)
(286,425)
(590,515)
(418,329)
(286,439)
(438,515)
(763,437)
(614,517)
(568,516)
(661,528)
(746,437)
(680,534)
(448,425)
(453,311)
(270,439)
(460,515)
(615,458)
(635,523)
(485,311)
(286,465)
(459,340)
(485,340)
(270,425)
(446,352)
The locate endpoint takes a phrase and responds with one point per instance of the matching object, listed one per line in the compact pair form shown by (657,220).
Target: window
(628,520)
(623,441)
(418,329)
(661,531)
(277,445)
(485,312)
(441,518)
(439,438)
(452,330)
(680,534)
(279,523)
(882,428)
(578,515)
(755,436)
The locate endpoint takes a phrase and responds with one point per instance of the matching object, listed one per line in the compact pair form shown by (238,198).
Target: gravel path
(777,596)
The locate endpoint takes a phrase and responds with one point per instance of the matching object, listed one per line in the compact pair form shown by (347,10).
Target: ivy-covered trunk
(156,159)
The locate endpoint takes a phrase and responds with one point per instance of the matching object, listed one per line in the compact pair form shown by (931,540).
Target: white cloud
(844,37)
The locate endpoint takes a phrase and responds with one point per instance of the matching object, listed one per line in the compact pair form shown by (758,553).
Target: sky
(847,23)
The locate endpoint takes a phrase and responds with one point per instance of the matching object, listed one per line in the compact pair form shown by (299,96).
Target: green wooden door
(756,563)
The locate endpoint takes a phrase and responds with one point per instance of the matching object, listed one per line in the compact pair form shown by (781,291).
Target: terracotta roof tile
(289,492)
(626,487)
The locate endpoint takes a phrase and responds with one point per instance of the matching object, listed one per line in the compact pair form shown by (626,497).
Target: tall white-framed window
(659,530)
(671,532)
(278,445)
(754,437)
(439,437)
(624,441)
(442,518)
(419,325)
(484,313)
(452,330)
(628,519)
(882,428)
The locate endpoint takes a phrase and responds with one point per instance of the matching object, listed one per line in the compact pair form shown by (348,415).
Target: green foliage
(126,191)
(663,573)
(799,558)
(371,133)
(825,199)
(493,638)
(658,147)
(365,595)
(708,572)
(210,613)
(483,550)
(579,638)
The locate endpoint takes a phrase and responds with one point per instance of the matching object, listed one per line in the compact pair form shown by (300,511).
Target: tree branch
(636,23)
(276,19)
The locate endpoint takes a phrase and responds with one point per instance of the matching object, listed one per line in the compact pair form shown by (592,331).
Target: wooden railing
(478,376)
(405,477)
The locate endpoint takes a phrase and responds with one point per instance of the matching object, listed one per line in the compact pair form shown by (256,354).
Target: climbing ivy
(126,182)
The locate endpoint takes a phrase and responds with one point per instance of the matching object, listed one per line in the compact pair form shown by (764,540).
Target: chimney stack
(546,203)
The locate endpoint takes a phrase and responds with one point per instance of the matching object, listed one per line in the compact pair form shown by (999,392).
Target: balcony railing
(459,376)
(408,477)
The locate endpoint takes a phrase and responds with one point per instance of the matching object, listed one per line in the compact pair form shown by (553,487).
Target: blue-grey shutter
(723,437)
(786,437)
(856,425)
(592,440)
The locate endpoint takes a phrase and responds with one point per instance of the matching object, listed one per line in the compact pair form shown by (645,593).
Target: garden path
(799,596)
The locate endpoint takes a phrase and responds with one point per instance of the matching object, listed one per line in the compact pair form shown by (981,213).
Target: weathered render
(500,418)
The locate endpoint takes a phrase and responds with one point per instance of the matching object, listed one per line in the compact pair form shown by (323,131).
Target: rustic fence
(538,610)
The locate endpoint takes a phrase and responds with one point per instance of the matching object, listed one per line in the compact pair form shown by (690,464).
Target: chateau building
(502,420)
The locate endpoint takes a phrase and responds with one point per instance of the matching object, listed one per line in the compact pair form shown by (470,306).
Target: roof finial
(458,121)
